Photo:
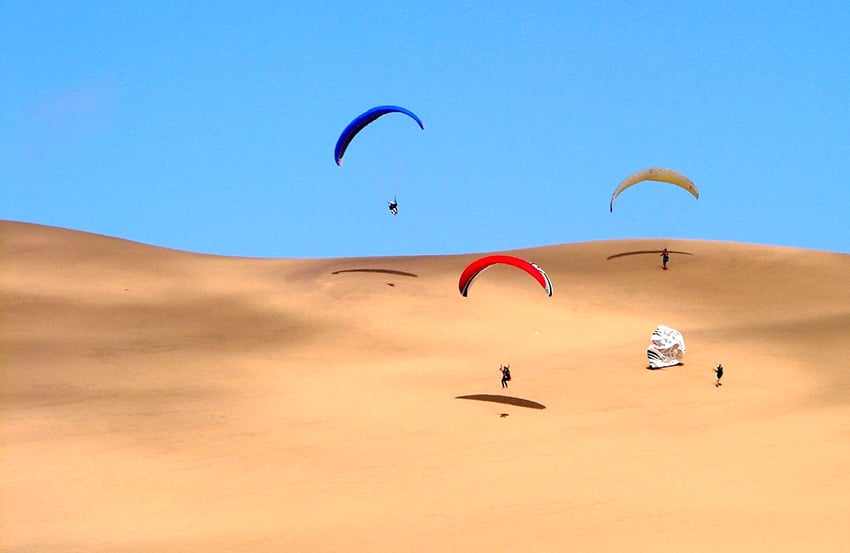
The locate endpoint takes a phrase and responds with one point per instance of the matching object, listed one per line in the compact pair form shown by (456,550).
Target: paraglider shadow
(644,252)
(508,400)
(383,271)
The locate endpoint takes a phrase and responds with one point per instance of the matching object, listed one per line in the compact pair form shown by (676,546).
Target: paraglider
(666,348)
(476,267)
(393,206)
(361,121)
(659,174)
(506,374)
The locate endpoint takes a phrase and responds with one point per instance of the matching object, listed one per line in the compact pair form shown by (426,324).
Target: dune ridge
(154,399)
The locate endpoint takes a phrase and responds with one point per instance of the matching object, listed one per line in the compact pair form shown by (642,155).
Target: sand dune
(157,400)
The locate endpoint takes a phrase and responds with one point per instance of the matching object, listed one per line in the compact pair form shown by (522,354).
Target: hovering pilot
(393,206)
(506,374)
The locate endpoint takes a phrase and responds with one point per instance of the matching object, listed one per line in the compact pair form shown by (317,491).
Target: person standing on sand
(665,257)
(718,374)
(506,374)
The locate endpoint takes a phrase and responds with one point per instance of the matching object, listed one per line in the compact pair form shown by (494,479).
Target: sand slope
(156,400)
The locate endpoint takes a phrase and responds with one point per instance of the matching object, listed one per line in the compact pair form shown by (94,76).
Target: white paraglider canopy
(666,347)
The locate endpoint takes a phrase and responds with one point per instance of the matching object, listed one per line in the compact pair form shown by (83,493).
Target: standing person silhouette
(506,374)
(718,374)
(665,257)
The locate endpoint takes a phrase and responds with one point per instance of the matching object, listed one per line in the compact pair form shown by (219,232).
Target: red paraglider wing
(476,267)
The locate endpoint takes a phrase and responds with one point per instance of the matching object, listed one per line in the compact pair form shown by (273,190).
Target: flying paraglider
(361,121)
(655,174)
(476,267)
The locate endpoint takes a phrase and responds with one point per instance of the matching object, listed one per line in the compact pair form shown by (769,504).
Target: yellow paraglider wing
(656,174)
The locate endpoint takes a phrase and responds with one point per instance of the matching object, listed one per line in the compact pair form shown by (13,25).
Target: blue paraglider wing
(361,121)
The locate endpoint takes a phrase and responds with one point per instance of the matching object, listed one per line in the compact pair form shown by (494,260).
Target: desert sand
(158,400)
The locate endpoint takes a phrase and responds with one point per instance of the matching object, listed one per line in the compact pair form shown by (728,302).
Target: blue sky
(210,126)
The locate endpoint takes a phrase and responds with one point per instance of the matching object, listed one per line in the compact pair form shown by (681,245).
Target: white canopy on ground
(666,348)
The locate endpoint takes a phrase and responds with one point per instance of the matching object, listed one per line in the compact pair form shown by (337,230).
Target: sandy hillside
(156,400)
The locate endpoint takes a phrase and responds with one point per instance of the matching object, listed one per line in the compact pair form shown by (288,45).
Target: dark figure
(718,374)
(665,257)
(506,374)
(393,207)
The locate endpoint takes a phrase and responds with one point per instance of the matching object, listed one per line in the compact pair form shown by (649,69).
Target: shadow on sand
(644,252)
(383,271)
(651,368)
(508,400)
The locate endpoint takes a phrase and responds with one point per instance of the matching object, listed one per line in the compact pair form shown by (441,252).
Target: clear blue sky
(210,126)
